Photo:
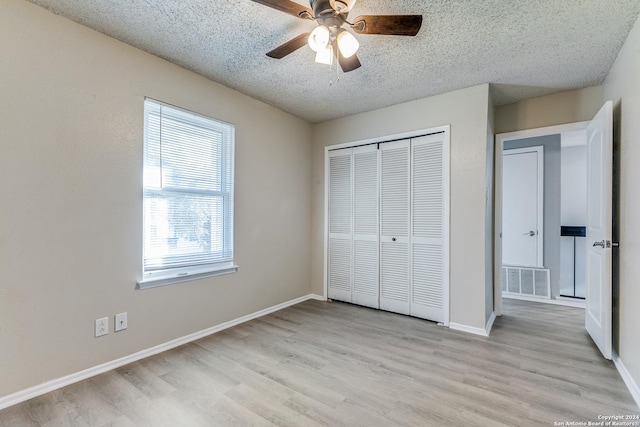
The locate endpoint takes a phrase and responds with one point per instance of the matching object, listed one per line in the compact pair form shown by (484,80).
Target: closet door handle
(393,239)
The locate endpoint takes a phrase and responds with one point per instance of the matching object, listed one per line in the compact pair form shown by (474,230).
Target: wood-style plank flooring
(335,364)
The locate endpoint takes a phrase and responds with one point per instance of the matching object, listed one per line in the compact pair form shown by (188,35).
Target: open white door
(599,221)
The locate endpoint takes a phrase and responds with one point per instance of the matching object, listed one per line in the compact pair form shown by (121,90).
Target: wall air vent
(526,281)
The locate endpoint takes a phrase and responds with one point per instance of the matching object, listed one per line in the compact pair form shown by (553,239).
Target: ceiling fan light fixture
(319,38)
(342,6)
(347,43)
(325,56)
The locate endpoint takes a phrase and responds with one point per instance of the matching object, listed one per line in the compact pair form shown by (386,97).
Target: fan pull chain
(331,80)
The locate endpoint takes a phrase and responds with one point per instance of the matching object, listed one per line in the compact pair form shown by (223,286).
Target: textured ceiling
(524,48)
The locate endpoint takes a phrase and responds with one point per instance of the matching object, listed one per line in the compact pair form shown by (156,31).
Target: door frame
(501,138)
(446,129)
(539,150)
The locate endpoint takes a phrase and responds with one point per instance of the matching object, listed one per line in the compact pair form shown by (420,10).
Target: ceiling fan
(329,38)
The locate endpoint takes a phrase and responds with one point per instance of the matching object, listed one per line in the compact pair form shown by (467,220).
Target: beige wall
(557,109)
(622,86)
(71,201)
(466,111)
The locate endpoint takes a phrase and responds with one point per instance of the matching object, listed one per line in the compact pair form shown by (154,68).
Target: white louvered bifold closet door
(388,223)
(394,226)
(365,226)
(429,208)
(340,225)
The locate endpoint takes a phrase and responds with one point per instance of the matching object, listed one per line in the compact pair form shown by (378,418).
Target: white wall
(71,118)
(622,86)
(573,170)
(573,212)
(467,112)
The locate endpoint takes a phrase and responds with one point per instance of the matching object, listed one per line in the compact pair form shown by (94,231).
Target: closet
(388,219)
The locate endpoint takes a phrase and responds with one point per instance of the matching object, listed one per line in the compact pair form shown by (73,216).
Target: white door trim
(501,138)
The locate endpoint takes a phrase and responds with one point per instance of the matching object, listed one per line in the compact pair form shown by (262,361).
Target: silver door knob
(529,233)
(601,244)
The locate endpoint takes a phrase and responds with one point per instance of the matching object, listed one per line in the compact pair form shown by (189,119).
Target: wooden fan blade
(288,6)
(392,25)
(289,47)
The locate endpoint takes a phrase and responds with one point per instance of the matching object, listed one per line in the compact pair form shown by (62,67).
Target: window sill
(169,277)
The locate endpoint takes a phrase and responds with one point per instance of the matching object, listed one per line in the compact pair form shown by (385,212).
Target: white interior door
(366,284)
(599,233)
(429,226)
(340,225)
(394,226)
(522,206)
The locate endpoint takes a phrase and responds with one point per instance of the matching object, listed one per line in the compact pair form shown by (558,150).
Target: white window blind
(188,195)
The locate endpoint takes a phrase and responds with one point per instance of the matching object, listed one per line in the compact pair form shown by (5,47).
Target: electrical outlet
(121,322)
(102,326)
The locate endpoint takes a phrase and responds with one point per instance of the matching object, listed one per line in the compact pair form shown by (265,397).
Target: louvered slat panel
(365,272)
(503,278)
(427,227)
(513,275)
(340,193)
(526,281)
(395,271)
(340,269)
(366,284)
(427,275)
(394,283)
(427,190)
(395,192)
(365,219)
(340,237)
(541,281)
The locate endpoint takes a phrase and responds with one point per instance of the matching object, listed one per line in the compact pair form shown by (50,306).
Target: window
(188,196)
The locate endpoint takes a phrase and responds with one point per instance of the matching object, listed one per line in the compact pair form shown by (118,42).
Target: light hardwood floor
(336,364)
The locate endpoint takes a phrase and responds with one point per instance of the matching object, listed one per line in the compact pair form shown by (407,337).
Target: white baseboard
(627,378)
(48,386)
(473,330)
(489,325)
(566,302)
(469,329)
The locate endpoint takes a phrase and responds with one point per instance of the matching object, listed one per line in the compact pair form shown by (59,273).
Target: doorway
(599,216)
(556,264)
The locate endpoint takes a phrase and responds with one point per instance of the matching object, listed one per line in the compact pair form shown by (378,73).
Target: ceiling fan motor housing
(326,7)
(342,5)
